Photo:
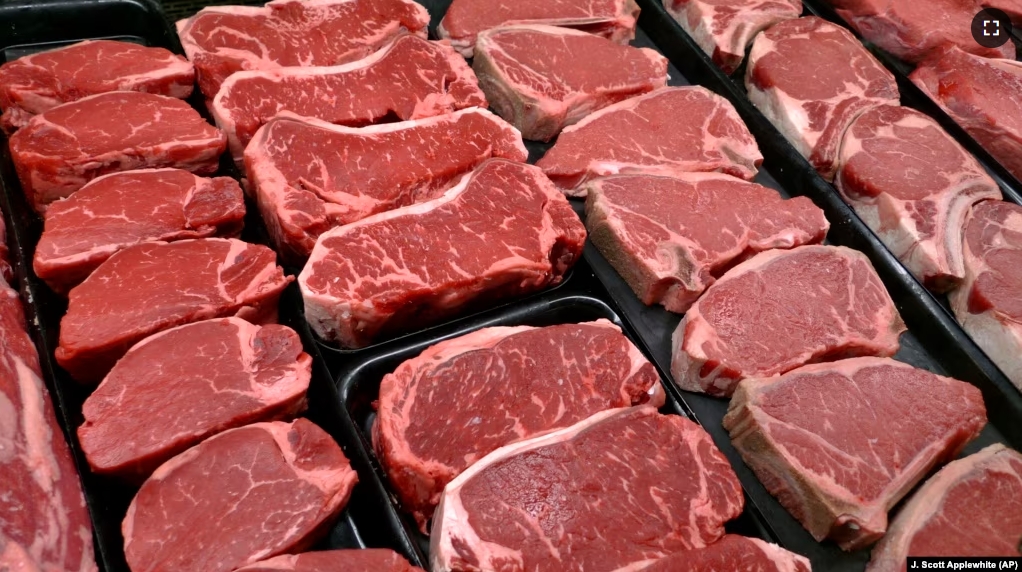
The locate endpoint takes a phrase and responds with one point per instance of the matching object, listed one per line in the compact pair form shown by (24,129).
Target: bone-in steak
(355,560)
(733,554)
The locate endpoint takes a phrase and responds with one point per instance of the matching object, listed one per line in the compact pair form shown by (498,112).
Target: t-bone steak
(463,398)
(839,444)
(733,554)
(207,377)
(120,210)
(409,79)
(667,132)
(154,286)
(671,237)
(465,19)
(221,40)
(62,149)
(614,492)
(352,560)
(544,78)
(972,507)
(724,28)
(503,231)
(780,310)
(913,185)
(35,83)
(277,488)
(813,100)
(310,176)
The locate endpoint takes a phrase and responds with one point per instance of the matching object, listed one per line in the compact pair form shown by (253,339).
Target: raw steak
(310,176)
(44,525)
(35,83)
(671,237)
(667,132)
(982,96)
(544,78)
(611,19)
(989,303)
(61,150)
(221,40)
(724,28)
(616,491)
(465,397)
(502,232)
(733,554)
(783,309)
(409,79)
(207,377)
(365,560)
(1013,8)
(972,507)
(813,100)
(913,185)
(278,487)
(119,210)
(154,286)
(839,444)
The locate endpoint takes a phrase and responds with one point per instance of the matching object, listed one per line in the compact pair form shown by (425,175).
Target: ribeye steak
(352,560)
(733,554)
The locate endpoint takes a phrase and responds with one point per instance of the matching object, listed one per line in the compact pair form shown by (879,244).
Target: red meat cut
(667,132)
(364,560)
(1013,8)
(61,150)
(221,40)
(542,79)
(465,397)
(813,100)
(733,554)
(36,83)
(207,377)
(724,28)
(278,488)
(154,286)
(44,524)
(616,491)
(780,310)
(972,507)
(409,79)
(913,185)
(839,444)
(465,19)
(119,210)
(671,237)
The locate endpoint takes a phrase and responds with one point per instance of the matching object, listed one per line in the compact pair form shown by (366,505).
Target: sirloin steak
(465,397)
(839,444)
(670,131)
(543,78)
(278,488)
(502,232)
(154,286)
(207,377)
(310,176)
(671,237)
(780,310)
(35,83)
(619,490)
(813,100)
(355,560)
(733,553)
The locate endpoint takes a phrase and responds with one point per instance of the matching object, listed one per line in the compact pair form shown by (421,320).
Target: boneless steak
(733,553)
(503,231)
(614,492)
(221,40)
(119,210)
(667,132)
(671,237)
(278,487)
(780,310)
(35,83)
(972,507)
(465,397)
(354,560)
(62,149)
(409,79)
(913,185)
(839,444)
(544,78)
(154,286)
(310,176)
